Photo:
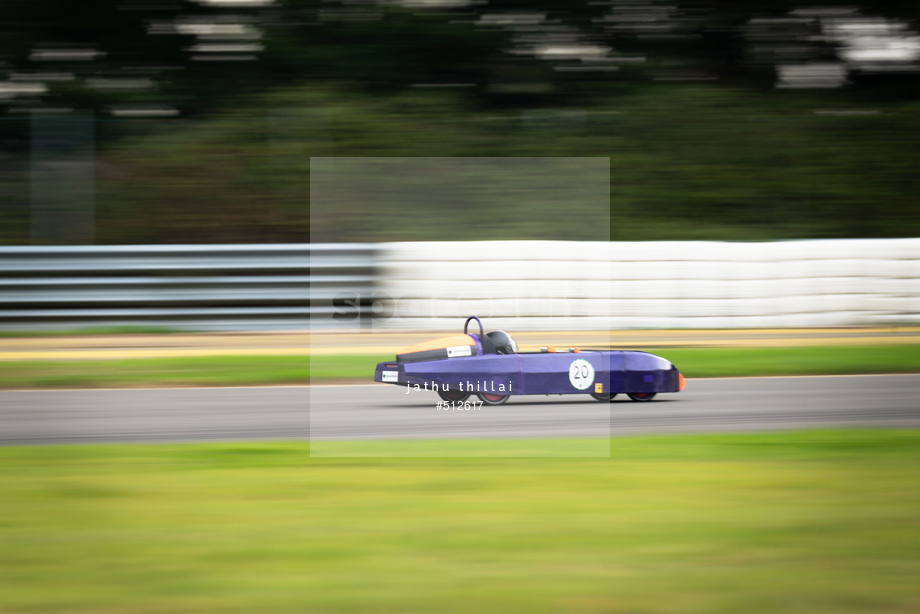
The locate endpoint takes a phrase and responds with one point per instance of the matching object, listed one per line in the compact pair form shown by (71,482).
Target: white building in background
(824,47)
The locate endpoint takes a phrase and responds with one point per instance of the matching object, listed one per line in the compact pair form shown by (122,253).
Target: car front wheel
(492,399)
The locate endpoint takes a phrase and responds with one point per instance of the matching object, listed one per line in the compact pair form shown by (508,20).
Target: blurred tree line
(206,113)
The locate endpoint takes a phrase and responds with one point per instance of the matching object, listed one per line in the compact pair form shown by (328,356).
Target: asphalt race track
(384,411)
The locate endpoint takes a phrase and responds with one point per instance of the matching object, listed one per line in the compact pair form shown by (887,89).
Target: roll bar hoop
(467,324)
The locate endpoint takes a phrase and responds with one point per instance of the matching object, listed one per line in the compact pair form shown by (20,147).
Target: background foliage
(701,143)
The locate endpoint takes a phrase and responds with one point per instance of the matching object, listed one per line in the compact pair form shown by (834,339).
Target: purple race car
(491,367)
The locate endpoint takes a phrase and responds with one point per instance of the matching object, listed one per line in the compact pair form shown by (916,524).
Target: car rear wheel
(601,396)
(641,397)
(492,399)
(453,395)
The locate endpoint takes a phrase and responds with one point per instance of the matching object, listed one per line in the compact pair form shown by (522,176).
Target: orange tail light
(683,382)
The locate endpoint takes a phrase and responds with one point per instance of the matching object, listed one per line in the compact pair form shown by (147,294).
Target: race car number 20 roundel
(581,374)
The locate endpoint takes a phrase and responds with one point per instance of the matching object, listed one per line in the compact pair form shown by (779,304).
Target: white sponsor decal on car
(581,374)
(459,350)
(391,376)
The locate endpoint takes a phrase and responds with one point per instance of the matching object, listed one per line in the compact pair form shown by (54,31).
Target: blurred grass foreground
(811,523)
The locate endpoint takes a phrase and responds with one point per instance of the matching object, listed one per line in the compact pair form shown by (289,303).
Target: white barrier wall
(543,285)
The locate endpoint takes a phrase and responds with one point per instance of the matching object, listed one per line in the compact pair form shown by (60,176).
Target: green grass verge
(264,370)
(810,522)
(96,330)
(176,371)
(806,360)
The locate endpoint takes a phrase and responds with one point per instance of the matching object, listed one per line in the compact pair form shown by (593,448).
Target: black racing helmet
(503,342)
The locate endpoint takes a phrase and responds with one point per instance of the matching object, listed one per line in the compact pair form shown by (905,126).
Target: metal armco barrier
(517,285)
(202,287)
